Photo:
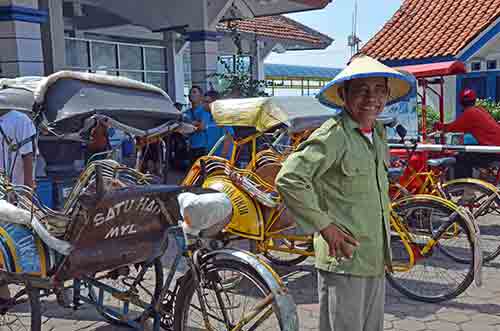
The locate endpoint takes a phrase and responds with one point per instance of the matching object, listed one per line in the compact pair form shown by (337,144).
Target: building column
(258,57)
(204,52)
(54,49)
(175,65)
(20,38)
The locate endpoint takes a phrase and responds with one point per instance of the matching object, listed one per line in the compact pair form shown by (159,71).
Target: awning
(435,69)
(165,14)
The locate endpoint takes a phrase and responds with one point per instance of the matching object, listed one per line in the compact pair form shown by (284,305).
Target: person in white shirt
(17,128)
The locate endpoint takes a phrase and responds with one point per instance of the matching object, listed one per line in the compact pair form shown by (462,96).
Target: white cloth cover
(203,211)
(12,214)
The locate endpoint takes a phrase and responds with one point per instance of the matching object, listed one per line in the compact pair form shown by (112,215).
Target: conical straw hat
(364,66)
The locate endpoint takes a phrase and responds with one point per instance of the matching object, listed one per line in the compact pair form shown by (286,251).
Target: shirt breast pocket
(356,175)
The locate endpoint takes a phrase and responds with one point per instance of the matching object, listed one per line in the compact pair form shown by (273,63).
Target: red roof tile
(280,27)
(423,28)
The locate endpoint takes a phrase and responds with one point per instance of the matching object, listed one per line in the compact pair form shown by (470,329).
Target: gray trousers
(350,303)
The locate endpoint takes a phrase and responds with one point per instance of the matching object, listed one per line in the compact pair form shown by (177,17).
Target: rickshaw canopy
(447,68)
(67,98)
(297,113)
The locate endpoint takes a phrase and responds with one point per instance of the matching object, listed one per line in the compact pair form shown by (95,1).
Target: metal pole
(424,109)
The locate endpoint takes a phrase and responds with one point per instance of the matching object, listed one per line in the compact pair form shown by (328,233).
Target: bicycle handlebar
(445,147)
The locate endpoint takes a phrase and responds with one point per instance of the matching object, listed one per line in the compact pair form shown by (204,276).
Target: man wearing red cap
(478,122)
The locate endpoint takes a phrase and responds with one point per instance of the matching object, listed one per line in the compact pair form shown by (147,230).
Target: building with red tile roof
(423,31)
(295,35)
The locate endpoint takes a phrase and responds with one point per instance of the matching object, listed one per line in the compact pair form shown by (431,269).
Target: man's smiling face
(365,99)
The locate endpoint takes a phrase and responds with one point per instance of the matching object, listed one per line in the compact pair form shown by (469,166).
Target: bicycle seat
(394,174)
(444,161)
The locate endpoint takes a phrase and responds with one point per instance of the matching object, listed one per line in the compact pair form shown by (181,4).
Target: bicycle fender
(284,304)
(472,180)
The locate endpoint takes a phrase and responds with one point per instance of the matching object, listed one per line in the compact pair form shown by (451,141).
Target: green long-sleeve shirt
(338,176)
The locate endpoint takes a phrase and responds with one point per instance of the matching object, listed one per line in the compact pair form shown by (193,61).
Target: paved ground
(477,310)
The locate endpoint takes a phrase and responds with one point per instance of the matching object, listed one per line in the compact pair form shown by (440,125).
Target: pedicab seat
(441,162)
(394,174)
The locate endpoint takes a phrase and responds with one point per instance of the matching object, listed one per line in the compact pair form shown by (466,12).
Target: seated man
(476,121)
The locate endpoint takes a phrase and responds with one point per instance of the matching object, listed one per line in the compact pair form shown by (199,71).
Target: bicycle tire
(157,269)
(17,319)
(489,225)
(186,297)
(422,281)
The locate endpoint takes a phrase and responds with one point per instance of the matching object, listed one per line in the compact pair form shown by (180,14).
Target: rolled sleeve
(296,180)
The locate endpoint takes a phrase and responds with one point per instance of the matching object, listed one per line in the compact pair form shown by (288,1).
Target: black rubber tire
(187,291)
(402,280)
(294,258)
(482,192)
(158,271)
(33,300)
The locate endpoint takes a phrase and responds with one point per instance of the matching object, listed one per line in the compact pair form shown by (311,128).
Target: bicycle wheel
(225,306)
(475,197)
(147,289)
(22,311)
(434,276)
(285,258)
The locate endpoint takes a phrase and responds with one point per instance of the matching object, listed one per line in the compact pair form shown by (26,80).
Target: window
(130,57)
(475,66)
(77,54)
(491,64)
(229,64)
(103,56)
(138,62)
(155,58)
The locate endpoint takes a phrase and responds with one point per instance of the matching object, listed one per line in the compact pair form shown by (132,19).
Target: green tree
(432,116)
(491,106)
(236,80)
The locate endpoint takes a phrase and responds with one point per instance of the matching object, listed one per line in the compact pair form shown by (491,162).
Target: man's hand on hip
(340,243)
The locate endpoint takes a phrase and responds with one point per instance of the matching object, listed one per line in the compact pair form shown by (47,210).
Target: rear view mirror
(401,131)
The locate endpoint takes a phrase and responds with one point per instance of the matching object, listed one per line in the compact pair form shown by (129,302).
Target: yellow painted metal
(12,248)
(427,248)
(405,238)
(247,220)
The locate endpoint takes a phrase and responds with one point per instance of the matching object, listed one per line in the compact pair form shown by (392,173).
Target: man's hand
(340,244)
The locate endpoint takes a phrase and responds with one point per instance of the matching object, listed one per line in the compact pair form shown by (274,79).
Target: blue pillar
(20,39)
(491,85)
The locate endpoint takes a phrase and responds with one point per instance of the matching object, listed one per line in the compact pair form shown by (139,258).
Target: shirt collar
(349,123)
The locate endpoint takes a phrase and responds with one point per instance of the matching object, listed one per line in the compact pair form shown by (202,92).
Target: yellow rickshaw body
(247,220)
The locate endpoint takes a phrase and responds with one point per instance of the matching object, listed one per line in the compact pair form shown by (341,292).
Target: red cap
(467,96)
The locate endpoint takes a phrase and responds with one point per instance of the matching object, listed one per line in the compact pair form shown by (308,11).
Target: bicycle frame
(188,250)
(415,252)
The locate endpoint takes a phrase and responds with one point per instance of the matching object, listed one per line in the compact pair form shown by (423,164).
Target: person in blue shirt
(208,133)
(195,115)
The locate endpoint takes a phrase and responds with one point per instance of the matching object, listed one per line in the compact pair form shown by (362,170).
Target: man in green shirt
(335,185)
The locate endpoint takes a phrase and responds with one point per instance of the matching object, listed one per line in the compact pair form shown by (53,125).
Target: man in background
(17,128)
(476,121)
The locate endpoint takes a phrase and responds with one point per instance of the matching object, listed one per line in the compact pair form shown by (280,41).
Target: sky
(335,20)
